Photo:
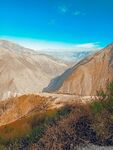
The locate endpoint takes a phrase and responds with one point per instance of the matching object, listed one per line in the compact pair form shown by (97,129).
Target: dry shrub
(62,135)
(87,123)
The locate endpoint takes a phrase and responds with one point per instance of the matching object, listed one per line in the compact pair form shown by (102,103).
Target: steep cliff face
(87,76)
(25,71)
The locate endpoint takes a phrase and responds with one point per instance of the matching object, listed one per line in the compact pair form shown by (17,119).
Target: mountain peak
(110,46)
(13,47)
(6,43)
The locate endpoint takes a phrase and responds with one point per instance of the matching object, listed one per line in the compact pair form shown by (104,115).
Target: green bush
(35,134)
(64,111)
(97,107)
(102,113)
(105,101)
(50,117)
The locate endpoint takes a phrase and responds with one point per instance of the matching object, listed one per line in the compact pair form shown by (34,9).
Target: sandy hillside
(25,71)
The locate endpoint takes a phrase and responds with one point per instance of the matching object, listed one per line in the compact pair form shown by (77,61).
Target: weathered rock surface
(88,76)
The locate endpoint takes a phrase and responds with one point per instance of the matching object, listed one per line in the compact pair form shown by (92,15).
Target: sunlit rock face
(25,71)
(86,77)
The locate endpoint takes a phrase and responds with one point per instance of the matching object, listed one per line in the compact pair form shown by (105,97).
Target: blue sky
(67,22)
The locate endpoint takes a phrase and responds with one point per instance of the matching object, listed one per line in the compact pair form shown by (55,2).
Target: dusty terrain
(17,107)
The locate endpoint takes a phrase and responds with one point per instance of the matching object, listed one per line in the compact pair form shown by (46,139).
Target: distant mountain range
(87,76)
(68,56)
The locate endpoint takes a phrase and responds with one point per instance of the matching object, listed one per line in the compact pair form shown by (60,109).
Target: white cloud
(63,9)
(52,46)
(88,45)
(52,22)
(77,13)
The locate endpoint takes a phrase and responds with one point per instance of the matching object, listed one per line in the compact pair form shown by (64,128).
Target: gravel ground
(94,147)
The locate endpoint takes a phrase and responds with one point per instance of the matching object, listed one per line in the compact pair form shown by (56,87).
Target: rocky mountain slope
(25,71)
(87,76)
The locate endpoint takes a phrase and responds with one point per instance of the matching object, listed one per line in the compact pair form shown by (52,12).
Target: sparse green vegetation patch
(34,126)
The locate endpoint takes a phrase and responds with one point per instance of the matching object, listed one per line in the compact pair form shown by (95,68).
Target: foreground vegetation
(64,128)
(31,128)
(87,123)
